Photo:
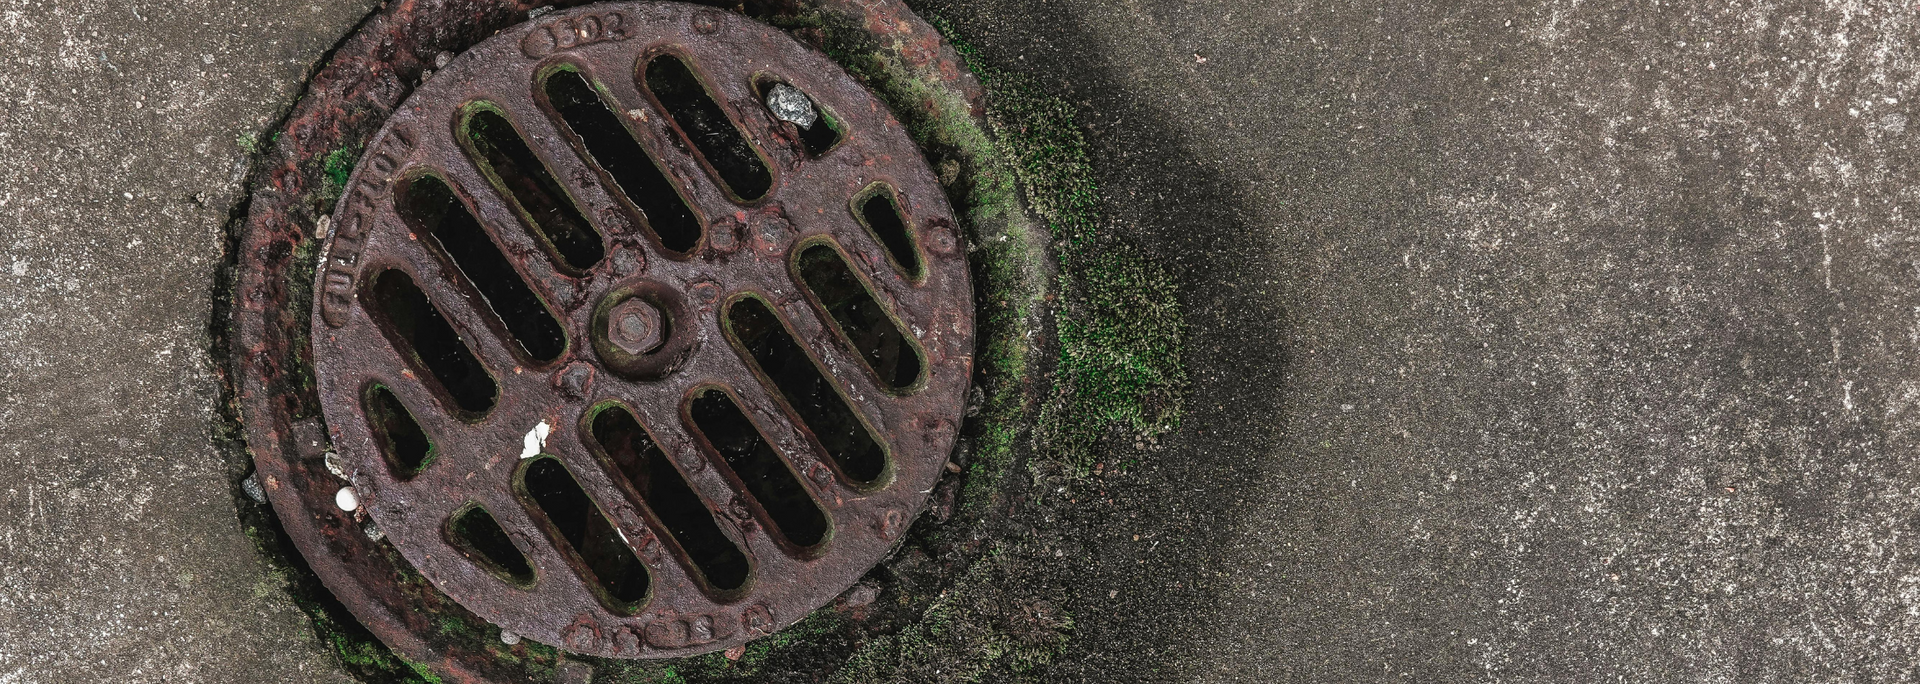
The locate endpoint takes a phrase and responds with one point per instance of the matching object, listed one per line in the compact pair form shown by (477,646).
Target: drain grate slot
(577,523)
(431,209)
(759,332)
(668,495)
(873,334)
(415,328)
(478,537)
(402,441)
(719,421)
(825,132)
(612,146)
(879,210)
(822,137)
(497,148)
(706,125)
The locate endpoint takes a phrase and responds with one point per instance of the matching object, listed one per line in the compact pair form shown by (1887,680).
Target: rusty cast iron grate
(620,355)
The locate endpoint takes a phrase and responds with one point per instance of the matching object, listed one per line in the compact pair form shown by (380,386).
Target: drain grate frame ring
(271,357)
(804,205)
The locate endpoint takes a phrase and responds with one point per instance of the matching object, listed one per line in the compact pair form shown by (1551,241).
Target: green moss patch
(336,167)
(1121,335)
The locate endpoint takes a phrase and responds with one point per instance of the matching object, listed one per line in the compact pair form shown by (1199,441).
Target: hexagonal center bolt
(636,326)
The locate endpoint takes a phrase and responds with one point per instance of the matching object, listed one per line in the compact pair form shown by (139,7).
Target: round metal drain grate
(622,358)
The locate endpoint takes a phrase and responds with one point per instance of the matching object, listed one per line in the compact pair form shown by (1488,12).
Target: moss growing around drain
(1121,353)
(425,674)
(984,628)
(1121,335)
(337,166)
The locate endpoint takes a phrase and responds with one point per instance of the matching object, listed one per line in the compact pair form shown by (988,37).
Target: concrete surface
(1555,341)
(1533,341)
(120,555)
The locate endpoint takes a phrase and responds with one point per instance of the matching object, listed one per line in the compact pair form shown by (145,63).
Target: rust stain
(370,98)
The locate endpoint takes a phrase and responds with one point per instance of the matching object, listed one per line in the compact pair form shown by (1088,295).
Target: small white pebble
(252,487)
(509,638)
(789,104)
(334,466)
(346,499)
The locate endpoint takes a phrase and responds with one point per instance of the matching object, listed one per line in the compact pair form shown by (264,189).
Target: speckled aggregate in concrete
(1533,341)
(120,158)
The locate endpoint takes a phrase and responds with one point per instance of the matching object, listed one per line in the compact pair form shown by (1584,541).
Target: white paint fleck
(536,440)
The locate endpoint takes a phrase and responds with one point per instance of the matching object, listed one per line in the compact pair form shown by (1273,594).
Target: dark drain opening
(765,339)
(402,441)
(612,146)
(879,210)
(667,494)
(431,209)
(859,317)
(706,125)
(497,148)
(822,136)
(478,537)
(719,421)
(598,548)
(415,328)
